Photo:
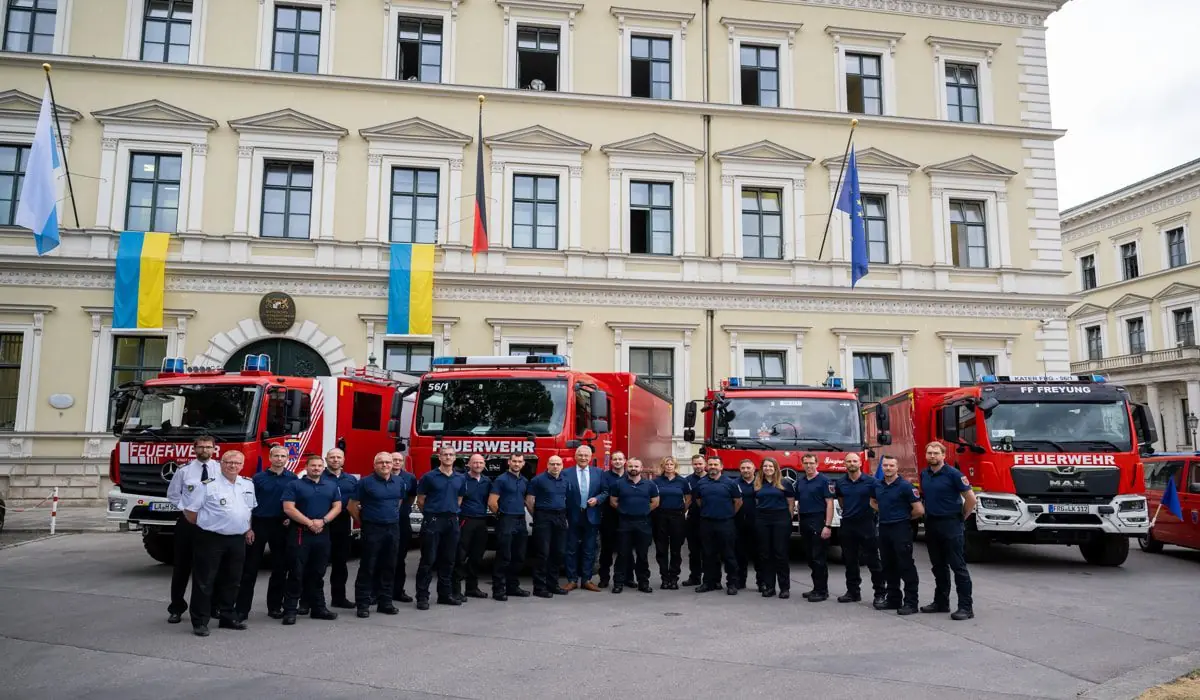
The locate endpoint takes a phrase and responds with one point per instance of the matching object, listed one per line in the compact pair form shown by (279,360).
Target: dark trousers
(439,549)
(896,553)
(817,549)
(403,542)
(308,556)
(695,542)
(339,554)
(609,546)
(549,545)
(377,565)
(268,532)
(860,546)
(773,533)
(633,540)
(512,536)
(747,548)
(472,543)
(719,537)
(581,548)
(944,537)
(670,528)
(184,535)
(216,575)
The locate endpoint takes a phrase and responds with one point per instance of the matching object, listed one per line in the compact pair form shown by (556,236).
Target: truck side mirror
(1143,425)
(293,406)
(689,416)
(883,420)
(883,438)
(949,420)
(600,408)
(689,434)
(397,406)
(599,426)
(988,404)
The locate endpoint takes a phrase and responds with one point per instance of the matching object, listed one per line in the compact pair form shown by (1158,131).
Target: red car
(1184,470)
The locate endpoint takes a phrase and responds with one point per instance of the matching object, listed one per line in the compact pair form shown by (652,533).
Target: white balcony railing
(1142,359)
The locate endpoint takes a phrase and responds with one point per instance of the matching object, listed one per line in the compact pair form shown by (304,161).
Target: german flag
(480,243)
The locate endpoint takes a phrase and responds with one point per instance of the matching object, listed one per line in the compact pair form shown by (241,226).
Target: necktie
(583,488)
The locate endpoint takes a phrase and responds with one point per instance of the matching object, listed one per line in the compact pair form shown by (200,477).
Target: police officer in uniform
(949,499)
(507,502)
(547,501)
(406,533)
(186,480)
(719,501)
(775,501)
(310,503)
(814,503)
(747,541)
(269,530)
(376,504)
(609,519)
(857,534)
(220,510)
(439,495)
(473,521)
(898,505)
(695,542)
(339,529)
(634,499)
(670,523)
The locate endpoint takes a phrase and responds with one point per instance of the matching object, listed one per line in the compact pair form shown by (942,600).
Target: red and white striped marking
(54,510)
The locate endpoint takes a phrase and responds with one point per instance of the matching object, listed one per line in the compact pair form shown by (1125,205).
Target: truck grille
(143,479)
(1068,519)
(1082,486)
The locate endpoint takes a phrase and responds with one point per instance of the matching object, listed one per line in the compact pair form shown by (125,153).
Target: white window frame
(405,339)
(100,388)
(657,24)
(135,16)
(563,175)
(266,31)
(879,43)
(1124,317)
(1080,253)
(257,177)
(788,177)
(510,157)
(860,340)
(894,185)
(898,364)
(976,53)
(445,10)
(680,171)
(31,360)
(552,14)
(377,335)
(382,226)
(683,355)
(259,144)
(1165,226)
(794,350)
(957,343)
(991,219)
(1081,326)
(1120,239)
(974,352)
(561,334)
(791,364)
(120,139)
(779,35)
(62,25)
(679,376)
(1170,306)
(628,177)
(990,189)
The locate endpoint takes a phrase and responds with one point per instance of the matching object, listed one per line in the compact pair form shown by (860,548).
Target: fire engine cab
(360,412)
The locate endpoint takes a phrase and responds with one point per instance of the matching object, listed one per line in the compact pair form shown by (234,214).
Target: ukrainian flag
(410,289)
(140,280)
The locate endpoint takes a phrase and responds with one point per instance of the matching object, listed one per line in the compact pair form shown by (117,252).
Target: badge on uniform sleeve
(965,482)
(832,487)
(222,501)
(191,487)
(916,494)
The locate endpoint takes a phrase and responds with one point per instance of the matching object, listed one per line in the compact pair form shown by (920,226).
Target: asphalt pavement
(84,615)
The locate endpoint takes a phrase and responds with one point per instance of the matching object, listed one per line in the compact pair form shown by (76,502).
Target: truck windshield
(220,410)
(493,407)
(793,421)
(1058,426)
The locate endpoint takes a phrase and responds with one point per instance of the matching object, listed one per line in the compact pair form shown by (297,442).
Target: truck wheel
(1150,545)
(1106,550)
(160,547)
(976,547)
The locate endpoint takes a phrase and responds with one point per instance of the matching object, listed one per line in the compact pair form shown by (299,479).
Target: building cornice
(976,335)
(533,322)
(1013,13)
(743,328)
(1131,194)
(1127,211)
(26,308)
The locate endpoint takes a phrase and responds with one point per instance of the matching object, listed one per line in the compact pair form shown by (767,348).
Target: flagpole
(62,146)
(1156,511)
(478,179)
(833,205)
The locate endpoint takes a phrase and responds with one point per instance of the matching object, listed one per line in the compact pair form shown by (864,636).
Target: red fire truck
(1053,460)
(361,412)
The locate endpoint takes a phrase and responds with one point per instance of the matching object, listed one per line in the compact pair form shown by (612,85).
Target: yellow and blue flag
(140,279)
(410,289)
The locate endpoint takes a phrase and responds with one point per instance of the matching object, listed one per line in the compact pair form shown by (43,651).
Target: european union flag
(1170,499)
(850,201)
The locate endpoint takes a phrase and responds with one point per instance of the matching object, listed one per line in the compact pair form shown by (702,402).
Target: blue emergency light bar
(1007,379)
(832,384)
(500,361)
(174,365)
(257,363)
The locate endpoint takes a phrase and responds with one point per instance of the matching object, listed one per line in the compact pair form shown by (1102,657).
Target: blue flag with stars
(850,201)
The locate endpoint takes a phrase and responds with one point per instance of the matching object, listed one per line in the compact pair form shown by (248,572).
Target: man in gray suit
(585,495)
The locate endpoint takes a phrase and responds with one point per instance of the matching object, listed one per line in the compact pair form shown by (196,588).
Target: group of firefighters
(727,521)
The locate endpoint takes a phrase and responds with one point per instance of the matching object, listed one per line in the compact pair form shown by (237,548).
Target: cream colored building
(1132,255)
(680,158)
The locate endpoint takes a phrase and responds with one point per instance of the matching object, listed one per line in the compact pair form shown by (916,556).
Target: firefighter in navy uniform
(339,529)
(719,501)
(376,504)
(898,505)
(695,542)
(507,502)
(187,479)
(473,527)
(269,531)
(439,496)
(609,519)
(670,523)
(857,535)
(547,501)
(747,530)
(814,504)
(634,499)
(406,532)
(949,499)
(310,503)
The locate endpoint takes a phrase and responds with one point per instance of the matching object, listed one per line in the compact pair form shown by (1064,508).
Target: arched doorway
(289,358)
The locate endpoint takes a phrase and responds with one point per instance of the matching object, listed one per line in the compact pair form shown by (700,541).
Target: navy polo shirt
(856,495)
(346,483)
(268,491)
(811,494)
(672,491)
(441,492)
(380,499)
(693,479)
(748,496)
(474,503)
(610,482)
(941,491)
(312,498)
(769,498)
(717,497)
(510,490)
(549,493)
(895,500)
(410,493)
(634,499)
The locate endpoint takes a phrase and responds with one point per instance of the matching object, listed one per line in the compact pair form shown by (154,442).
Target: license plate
(1069,508)
(163,507)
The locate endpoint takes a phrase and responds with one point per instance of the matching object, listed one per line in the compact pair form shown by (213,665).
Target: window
(522,350)
(297,46)
(651,224)
(367,413)
(765,367)
(650,67)
(1185,329)
(762,223)
(535,212)
(286,199)
(537,58)
(420,50)
(1129,260)
(1087,271)
(872,376)
(29,26)
(414,217)
(11,345)
(410,358)
(656,366)
(1184,413)
(875,221)
(12,174)
(1158,474)
(1135,331)
(962,92)
(1176,247)
(153,200)
(967,423)
(864,83)
(760,75)
(1095,345)
(167,31)
(968,234)
(135,359)
(972,368)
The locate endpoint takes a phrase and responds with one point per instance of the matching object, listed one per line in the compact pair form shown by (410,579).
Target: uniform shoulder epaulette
(207,481)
